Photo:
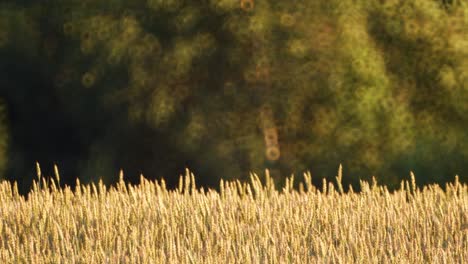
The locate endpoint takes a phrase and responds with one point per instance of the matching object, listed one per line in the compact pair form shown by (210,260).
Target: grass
(243,223)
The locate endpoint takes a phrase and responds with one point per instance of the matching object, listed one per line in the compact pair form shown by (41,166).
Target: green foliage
(380,86)
(4,138)
(18,29)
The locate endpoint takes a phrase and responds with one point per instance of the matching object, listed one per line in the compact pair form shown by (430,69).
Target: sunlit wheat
(243,223)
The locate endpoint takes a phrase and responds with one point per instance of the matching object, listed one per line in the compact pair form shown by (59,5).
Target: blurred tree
(232,86)
(3,140)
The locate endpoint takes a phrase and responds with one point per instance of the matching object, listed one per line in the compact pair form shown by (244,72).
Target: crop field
(242,223)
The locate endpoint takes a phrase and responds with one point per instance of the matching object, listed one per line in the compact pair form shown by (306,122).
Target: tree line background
(228,87)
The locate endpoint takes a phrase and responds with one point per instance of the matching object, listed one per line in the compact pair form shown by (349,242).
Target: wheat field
(243,223)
